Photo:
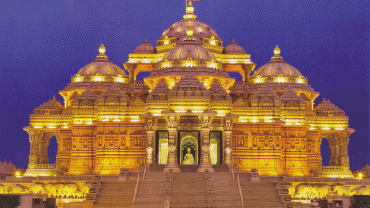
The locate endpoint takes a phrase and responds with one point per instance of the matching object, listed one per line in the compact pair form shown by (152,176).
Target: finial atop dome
(233,41)
(189,11)
(102,52)
(277,53)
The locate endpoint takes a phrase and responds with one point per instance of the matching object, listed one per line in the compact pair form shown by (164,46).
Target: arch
(52,150)
(192,143)
(325,152)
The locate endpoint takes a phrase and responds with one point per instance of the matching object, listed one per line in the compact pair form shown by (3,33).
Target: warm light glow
(97,78)
(325,128)
(197,111)
(52,127)
(180,111)
(254,119)
(105,120)
(120,79)
(189,64)
(268,119)
(258,80)
(360,176)
(65,127)
(212,42)
(37,127)
(89,122)
(299,80)
(280,80)
(79,122)
(117,120)
(18,174)
(157,114)
(78,79)
(134,120)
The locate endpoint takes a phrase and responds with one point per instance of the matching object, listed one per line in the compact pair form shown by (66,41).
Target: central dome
(179,28)
(189,49)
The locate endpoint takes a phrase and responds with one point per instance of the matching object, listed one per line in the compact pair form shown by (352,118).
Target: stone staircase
(116,194)
(226,192)
(188,189)
(259,194)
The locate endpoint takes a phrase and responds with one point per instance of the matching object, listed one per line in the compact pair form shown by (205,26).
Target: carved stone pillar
(131,71)
(43,149)
(205,158)
(343,159)
(34,158)
(227,146)
(172,164)
(247,70)
(334,150)
(150,147)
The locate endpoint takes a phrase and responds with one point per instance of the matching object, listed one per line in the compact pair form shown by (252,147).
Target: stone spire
(102,52)
(277,53)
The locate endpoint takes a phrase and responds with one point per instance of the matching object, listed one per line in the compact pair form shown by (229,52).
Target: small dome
(234,48)
(102,66)
(277,66)
(145,48)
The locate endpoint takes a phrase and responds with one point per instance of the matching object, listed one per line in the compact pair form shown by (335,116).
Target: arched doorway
(189,151)
(52,150)
(325,152)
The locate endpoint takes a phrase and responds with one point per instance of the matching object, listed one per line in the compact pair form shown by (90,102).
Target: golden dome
(234,48)
(145,48)
(179,28)
(189,49)
(102,66)
(277,67)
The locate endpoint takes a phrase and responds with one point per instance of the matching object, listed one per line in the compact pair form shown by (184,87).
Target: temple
(189,111)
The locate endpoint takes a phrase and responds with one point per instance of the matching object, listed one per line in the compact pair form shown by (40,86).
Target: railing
(240,190)
(139,83)
(239,83)
(136,187)
(45,166)
(231,167)
(146,169)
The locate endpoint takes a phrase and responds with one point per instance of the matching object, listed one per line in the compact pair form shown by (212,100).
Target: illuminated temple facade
(189,111)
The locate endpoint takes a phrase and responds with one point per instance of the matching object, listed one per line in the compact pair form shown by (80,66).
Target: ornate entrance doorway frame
(188,136)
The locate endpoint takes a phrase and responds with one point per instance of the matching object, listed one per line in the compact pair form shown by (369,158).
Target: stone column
(205,159)
(34,157)
(334,150)
(150,147)
(43,149)
(247,70)
(227,146)
(172,164)
(343,159)
(131,71)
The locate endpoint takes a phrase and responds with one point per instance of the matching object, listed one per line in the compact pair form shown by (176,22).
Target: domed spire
(189,11)
(234,48)
(102,52)
(277,53)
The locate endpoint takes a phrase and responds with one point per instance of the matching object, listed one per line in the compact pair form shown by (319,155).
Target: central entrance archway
(188,148)
(189,151)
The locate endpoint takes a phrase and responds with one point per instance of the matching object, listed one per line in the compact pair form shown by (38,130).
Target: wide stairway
(259,194)
(189,189)
(116,194)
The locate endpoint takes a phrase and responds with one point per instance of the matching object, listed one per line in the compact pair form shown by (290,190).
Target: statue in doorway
(188,159)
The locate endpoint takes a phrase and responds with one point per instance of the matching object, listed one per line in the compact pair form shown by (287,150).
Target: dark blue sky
(43,43)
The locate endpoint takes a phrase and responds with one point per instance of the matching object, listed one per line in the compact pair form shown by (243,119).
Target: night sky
(44,43)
